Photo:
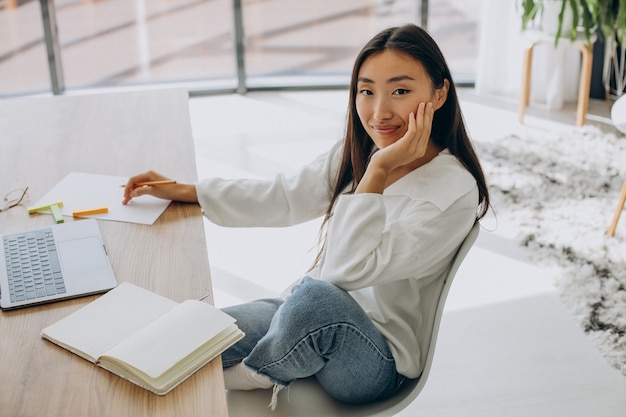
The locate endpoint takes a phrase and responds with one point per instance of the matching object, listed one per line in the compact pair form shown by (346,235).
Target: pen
(147,183)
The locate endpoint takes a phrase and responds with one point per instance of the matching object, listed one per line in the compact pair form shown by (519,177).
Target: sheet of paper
(83,191)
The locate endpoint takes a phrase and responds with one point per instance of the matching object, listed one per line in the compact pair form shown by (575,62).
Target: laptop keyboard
(33,265)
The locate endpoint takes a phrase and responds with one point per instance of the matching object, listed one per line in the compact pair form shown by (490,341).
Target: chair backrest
(307,398)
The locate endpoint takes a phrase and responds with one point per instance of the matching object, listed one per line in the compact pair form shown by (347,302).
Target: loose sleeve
(374,239)
(282,201)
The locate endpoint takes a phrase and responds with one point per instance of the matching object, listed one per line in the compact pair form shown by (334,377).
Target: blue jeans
(318,330)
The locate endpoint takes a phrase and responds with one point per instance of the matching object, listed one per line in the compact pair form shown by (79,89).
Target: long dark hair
(448,128)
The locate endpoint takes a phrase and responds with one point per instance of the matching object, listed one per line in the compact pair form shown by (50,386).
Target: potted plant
(605,18)
(567,16)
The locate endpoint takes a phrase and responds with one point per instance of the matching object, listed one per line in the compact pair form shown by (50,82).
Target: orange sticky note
(88,212)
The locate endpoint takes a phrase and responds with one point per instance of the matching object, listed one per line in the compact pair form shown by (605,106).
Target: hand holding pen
(157,185)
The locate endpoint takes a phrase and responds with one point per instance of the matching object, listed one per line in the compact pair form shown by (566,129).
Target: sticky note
(44,207)
(88,212)
(56,213)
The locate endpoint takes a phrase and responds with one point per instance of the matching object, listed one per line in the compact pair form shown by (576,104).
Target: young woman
(399,194)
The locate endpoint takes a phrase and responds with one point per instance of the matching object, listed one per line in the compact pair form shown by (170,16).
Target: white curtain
(555,71)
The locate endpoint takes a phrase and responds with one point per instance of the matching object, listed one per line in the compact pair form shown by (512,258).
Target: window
(213,45)
(23,63)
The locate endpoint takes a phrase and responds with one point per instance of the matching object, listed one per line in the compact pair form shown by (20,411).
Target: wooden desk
(43,139)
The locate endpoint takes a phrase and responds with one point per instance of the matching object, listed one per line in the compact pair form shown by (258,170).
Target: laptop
(59,262)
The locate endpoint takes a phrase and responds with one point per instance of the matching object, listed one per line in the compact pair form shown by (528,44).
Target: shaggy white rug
(559,190)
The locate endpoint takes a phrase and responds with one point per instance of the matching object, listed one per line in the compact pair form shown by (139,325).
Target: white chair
(306,397)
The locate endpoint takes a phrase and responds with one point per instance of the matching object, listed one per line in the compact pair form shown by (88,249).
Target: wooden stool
(585,75)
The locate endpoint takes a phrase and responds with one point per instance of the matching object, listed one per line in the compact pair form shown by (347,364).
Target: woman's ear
(441,95)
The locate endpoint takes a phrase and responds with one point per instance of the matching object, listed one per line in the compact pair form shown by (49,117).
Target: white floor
(507,346)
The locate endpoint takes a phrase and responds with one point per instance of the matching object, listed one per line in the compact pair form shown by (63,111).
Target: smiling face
(390,86)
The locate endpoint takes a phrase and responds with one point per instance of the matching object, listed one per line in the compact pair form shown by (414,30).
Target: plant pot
(596,89)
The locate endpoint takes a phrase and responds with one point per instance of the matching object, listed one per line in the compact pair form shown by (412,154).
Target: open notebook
(146,338)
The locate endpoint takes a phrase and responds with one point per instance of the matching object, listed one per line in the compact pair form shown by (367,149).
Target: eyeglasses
(14,198)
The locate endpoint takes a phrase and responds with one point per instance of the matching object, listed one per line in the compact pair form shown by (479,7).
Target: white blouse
(390,251)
